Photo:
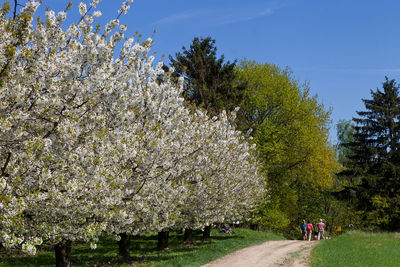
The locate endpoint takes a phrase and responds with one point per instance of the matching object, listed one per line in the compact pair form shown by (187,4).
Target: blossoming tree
(96,141)
(54,85)
(224,180)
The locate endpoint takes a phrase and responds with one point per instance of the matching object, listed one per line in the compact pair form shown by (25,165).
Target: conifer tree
(345,135)
(375,158)
(209,81)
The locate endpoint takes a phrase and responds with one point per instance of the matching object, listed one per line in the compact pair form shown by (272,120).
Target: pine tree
(345,135)
(375,158)
(209,80)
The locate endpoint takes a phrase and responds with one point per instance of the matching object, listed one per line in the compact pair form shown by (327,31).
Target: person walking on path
(309,228)
(321,229)
(303,230)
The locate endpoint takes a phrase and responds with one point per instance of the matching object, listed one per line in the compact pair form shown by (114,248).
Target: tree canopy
(209,80)
(290,129)
(97,139)
(375,157)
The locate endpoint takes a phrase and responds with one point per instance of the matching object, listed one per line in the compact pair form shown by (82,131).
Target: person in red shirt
(309,228)
(321,229)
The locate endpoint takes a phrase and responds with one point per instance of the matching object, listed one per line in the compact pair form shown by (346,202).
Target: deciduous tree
(95,139)
(290,129)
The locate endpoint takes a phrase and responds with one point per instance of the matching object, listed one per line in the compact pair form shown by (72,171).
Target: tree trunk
(63,254)
(207,232)
(123,247)
(187,237)
(163,239)
(254,227)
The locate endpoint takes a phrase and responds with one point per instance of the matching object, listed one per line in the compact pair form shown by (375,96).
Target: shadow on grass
(39,260)
(143,250)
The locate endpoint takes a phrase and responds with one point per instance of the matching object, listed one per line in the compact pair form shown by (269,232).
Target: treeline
(100,140)
(287,124)
(356,181)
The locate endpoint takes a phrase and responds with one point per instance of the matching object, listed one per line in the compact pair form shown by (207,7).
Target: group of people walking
(309,230)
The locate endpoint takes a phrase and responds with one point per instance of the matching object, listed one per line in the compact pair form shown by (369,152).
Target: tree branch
(3,170)
(55,124)
(15,9)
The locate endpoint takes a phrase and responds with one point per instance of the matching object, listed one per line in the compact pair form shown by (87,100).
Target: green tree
(345,135)
(343,196)
(375,157)
(290,129)
(209,81)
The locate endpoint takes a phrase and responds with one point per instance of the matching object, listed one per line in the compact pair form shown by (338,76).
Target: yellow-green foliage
(290,129)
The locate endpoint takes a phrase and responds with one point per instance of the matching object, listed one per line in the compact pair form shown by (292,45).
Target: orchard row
(95,141)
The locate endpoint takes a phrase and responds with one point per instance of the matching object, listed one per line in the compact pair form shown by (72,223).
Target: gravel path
(273,253)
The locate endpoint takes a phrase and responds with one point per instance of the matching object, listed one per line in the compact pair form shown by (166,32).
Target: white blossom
(97,14)
(94,3)
(93,245)
(82,8)
(122,28)
(61,16)
(50,17)
(28,248)
(124,8)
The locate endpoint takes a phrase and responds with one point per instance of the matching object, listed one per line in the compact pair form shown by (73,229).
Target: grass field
(358,249)
(144,253)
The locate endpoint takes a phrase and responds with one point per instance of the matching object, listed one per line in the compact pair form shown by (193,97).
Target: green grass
(144,253)
(358,249)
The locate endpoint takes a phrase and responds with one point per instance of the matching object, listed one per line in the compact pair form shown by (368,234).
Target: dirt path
(273,253)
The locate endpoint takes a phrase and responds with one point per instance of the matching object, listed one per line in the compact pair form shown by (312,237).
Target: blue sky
(343,48)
